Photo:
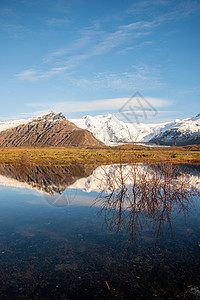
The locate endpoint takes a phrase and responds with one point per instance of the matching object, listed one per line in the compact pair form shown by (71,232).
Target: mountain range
(53,129)
(112,131)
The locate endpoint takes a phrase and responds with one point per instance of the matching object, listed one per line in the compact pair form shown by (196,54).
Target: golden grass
(124,154)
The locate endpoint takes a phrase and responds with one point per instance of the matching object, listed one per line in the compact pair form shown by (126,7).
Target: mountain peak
(109,115)
(48,130)
(51,116)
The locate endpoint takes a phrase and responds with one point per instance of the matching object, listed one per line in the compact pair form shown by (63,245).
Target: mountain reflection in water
(130,197)
(48,179)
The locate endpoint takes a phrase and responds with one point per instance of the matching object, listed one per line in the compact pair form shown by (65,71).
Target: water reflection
(48,179)
(141,196)
(130,197)
(66,253)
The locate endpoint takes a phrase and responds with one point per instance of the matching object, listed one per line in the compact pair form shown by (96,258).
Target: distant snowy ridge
(186,132)
(111,131)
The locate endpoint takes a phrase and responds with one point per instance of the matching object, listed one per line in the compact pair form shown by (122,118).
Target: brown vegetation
(101,156)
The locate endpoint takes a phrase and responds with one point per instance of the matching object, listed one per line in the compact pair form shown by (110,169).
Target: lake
(82,232)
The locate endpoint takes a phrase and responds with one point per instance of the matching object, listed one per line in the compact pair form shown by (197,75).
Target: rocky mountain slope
(47,130)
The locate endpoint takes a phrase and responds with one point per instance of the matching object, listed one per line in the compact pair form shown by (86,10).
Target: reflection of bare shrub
(23,164)
(151,195)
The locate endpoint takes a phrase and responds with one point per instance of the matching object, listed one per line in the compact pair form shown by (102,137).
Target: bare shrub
(152,194)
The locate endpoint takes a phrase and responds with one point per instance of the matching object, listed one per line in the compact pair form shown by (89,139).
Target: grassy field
(124,154)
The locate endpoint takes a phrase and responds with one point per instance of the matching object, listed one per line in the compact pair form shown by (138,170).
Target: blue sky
(89,57)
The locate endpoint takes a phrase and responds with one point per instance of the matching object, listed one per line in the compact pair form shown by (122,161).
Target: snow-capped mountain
(186,132)
(111,131)
(46,131)
(50,117)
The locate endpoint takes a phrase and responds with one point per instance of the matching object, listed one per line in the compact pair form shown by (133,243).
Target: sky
(83,57)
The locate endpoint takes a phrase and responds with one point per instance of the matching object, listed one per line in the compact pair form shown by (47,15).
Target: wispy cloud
(57,21)
(33,75)
(97,105)
(92,43)
(146,6)
(14,30)
(50,5)
(97,40)
(139,45)
(176,9)
(140,78)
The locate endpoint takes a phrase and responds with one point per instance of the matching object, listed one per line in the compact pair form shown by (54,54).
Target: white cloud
(99,105)
(96,106)
(33,75)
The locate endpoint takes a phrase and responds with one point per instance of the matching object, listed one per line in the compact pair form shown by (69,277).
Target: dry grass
(128,154)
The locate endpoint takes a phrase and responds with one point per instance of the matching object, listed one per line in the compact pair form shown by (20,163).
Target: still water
(63,236)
